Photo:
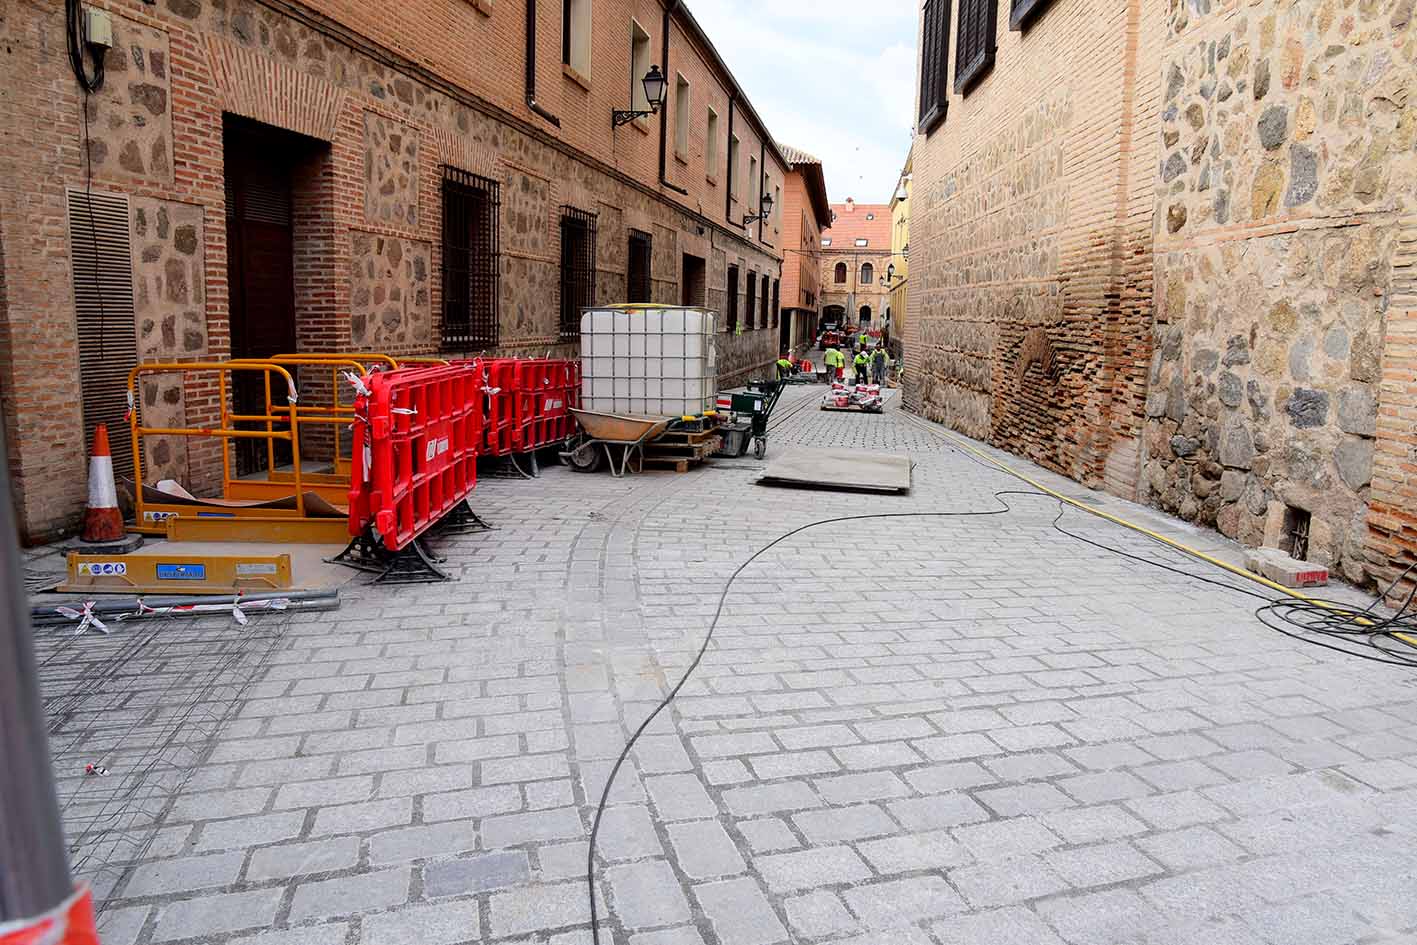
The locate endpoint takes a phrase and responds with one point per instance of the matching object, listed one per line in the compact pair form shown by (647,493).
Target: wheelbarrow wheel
(586,458)
(760,446)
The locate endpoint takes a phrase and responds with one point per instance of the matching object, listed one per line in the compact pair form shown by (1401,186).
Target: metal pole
(34,873)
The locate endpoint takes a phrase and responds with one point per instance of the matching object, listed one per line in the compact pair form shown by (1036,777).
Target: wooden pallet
(685,437)
(680,457)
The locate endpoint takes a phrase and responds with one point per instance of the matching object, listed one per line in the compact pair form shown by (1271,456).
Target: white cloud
(832,78)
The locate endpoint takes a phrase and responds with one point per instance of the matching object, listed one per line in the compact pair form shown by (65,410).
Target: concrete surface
(956,728)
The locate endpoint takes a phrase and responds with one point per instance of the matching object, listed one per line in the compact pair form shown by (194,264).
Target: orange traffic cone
(102,520)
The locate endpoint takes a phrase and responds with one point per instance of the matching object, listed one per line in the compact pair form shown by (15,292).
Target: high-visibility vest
(861,360)
(784,365)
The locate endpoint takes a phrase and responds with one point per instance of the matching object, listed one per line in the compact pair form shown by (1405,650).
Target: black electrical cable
(78,39)
(1319,616)
(703,648)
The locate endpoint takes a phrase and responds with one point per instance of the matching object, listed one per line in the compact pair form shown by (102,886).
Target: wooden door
(260,268)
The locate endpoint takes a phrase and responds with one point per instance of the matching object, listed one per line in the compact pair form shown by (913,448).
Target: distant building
(855,253)
(896,311)
(1165,248)
(805,213)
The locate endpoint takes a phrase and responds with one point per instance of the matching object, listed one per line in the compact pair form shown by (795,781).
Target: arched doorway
(865,315)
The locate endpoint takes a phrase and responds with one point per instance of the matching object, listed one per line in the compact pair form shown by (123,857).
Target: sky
(832,77)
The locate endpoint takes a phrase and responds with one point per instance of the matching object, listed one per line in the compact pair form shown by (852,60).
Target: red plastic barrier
(546,390)
(416,456)
(528,403)
(500,411)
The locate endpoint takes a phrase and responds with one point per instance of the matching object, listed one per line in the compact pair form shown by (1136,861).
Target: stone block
(1282,569)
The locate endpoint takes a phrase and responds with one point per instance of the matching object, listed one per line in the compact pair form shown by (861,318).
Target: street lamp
(764,207)
(890,274)
(655,85)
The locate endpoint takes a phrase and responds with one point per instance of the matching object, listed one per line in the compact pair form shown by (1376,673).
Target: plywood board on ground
(854,470)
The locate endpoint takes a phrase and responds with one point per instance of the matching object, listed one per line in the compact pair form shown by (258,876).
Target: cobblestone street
(964,729)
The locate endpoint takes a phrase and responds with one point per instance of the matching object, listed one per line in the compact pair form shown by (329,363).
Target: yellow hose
(1187,549)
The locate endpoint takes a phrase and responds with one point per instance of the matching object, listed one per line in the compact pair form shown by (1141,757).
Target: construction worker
(862,363)
(864,341)
(878,365)
(785,367)
(836,364)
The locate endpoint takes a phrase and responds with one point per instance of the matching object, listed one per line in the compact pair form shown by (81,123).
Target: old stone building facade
(265,174)
(1162,248)
(856,251)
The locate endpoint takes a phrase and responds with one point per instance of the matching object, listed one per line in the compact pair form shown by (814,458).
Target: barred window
(751,308)
(934,58)
(637,281)
(974,50)
(732,299)
(577,267)
(1024,12)
(471,260)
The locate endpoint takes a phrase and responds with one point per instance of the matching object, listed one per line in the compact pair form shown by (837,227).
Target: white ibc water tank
(654,360)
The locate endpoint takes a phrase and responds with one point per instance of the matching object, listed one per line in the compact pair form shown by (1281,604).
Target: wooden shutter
(1024,12)
(974,51)
(934,55)
(102,260)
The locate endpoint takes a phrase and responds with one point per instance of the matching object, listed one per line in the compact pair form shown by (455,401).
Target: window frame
(862,242)
(776,303)
(639,246)
(576,35)
(575,297)
(975,44)
(765,285)
(481,262)
(867,275)
(735,151)
(839,274)
(1024,13)
(641,58)
(711,144)
(683,102)
(934,64)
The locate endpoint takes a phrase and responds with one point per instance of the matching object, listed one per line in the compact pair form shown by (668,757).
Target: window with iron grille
(1024,12)
(974,50)
(577,267)
(934,58)
(471,260)
(763,304)
(637,280)
(750,310)
(732,299)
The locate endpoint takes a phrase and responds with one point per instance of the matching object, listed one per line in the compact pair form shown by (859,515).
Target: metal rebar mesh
(146,703)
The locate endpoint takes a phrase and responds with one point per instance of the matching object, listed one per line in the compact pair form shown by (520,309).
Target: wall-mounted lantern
(655,85)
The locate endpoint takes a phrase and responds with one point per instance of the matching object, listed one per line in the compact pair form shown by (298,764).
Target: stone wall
(169,298)
(1286,166)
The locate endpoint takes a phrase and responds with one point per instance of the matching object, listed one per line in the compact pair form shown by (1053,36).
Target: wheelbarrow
(750,410)
(617,439)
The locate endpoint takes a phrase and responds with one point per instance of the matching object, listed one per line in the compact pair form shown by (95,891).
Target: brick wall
(1030,245)
(386,95)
